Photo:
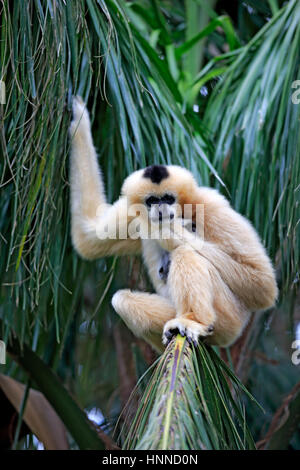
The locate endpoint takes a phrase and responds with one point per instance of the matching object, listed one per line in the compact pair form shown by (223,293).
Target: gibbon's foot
(189,328)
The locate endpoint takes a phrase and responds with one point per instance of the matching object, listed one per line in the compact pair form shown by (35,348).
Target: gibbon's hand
(165,234)
(179,232)
(80,124)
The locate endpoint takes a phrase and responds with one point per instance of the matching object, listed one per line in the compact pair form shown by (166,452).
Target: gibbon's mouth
(162,218)
(161,213)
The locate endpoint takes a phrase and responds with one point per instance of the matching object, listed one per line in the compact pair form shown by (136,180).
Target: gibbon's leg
(231,315)
(235,249)
(205,305)
(250,277)
(144,314)
(191,291)
(239,257)
(90,212)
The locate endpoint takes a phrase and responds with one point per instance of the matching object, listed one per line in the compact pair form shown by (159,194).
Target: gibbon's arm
(233,247)
(90,213)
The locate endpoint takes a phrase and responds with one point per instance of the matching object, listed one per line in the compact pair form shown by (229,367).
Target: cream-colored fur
(214,281)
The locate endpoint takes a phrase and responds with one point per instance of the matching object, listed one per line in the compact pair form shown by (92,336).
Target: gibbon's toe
(169,334)
(170,330)
(189,328)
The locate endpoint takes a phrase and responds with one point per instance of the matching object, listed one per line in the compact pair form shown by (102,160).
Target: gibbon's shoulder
(211,196)
(221,218)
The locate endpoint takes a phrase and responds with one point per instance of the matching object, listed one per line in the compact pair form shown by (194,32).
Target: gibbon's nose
(160,216)
(171,216)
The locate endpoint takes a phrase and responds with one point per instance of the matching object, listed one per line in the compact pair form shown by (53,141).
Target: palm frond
(192,401)
(256,128)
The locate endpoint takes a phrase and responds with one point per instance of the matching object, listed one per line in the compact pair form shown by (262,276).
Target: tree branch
(284,423)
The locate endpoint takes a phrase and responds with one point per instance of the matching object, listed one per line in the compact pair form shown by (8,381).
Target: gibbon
(209,275)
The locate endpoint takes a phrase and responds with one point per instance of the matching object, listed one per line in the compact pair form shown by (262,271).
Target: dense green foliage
(207,85)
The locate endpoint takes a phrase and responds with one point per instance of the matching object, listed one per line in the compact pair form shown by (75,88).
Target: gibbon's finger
(79,111)
(79,99)
(169,335)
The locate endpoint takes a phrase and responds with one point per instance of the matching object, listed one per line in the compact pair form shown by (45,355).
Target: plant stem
(20,415)
(287,419)
(274,6)
(178,349)
(197,17)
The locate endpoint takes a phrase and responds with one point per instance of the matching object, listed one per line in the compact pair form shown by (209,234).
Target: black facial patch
(156,173)
(152,200)
(168,199)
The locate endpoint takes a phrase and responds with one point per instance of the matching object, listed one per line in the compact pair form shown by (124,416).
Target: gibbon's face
(161,207)
(163,190)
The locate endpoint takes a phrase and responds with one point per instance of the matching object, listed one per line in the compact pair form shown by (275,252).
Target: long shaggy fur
(214,282)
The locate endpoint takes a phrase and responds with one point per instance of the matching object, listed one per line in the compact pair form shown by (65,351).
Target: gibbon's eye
(152,200)
(168,199)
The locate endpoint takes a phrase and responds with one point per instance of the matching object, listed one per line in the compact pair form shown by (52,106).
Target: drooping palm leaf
(256,128)
(38,415)
(73,417)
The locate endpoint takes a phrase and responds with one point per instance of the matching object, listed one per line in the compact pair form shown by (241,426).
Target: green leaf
(222,21)
(255,126)
(188,404)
